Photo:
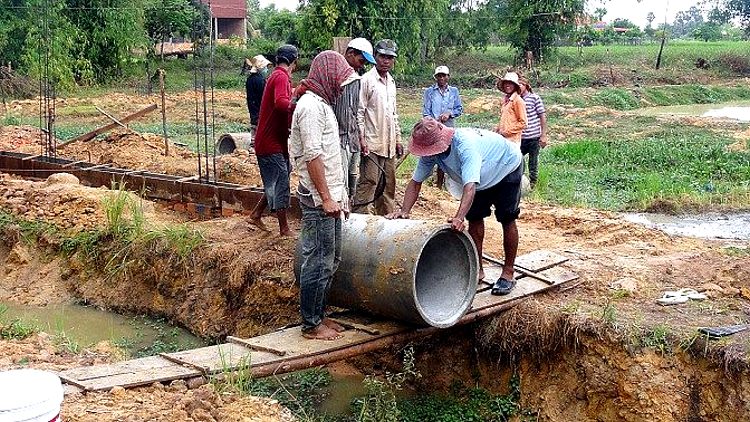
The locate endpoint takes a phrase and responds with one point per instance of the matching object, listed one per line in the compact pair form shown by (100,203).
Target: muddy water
(705,226)
(734,110)
(341,392)
(88,325)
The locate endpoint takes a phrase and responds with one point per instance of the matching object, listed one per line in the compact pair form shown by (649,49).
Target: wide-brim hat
(430,137)
(259,62)
(511,77)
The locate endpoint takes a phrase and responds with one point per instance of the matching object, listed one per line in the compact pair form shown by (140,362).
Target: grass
(679,164)
(14,328)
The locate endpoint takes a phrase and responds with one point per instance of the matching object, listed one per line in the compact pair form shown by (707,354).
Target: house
(229,18)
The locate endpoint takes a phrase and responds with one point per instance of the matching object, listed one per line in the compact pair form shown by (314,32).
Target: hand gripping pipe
(416,271)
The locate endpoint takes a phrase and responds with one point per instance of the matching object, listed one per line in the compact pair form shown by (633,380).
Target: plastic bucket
(30,395)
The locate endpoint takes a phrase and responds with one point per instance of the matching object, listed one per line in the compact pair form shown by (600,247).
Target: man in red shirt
(272,138)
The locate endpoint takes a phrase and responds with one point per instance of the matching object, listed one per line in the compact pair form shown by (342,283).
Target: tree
(686,21)
(739,9)
(650,18)
(707,31)
(599,13)
(534,26)
(168,18)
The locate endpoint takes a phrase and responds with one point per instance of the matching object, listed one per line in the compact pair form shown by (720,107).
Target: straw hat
(511,77)
(258,62)
(430,137)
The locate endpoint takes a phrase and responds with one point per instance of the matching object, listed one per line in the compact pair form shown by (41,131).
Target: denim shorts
(505,196)
(274,171)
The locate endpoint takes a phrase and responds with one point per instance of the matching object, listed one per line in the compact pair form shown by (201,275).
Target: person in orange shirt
(513,111)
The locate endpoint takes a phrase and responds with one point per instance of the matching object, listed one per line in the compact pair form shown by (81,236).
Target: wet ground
(704,226)
(733,110)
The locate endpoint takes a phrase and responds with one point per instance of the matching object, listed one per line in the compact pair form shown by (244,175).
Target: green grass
(14,328)
(682,164)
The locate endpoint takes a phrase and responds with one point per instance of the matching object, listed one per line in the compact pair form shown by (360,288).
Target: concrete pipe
(229,142)
(415,271)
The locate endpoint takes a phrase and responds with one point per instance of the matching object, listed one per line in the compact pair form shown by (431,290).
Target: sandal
(670,298)
(503,286)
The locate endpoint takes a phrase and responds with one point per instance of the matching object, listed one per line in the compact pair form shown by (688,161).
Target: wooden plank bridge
(286,350)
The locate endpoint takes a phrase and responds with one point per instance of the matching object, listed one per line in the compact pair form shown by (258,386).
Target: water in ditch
(87,326)
(735,226)
(733,110)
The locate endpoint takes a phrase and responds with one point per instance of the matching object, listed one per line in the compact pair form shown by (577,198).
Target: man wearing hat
(254,85)
(489,169)
(378,124)
(442,101)
(358,52)
(272,138)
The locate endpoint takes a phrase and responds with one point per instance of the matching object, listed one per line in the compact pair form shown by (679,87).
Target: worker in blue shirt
(442,101)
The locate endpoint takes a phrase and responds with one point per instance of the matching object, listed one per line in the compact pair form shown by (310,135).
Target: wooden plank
(99,371)
(96,132)
(204,370)
(526,287)
(560,275)
(354,326)
(255,347)
(111,117)
(224,357)
(539,260)
(146,377)
(71,381)
(71,389)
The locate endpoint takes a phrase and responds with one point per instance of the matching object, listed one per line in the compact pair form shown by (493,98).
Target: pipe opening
(446,278)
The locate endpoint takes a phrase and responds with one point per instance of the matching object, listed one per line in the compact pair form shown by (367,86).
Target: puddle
(88,325)
(705,226)
(341,392)
(734,110)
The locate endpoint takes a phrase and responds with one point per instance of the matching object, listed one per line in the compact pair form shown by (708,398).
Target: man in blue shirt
(489,169)
(442,101)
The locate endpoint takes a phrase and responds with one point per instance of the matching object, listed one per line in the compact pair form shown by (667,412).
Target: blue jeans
(320,245)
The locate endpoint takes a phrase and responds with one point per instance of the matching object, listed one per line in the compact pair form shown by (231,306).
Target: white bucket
(30,395)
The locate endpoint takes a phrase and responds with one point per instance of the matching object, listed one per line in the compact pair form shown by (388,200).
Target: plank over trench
(292,349)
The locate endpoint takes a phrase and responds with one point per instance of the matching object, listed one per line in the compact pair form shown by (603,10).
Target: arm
(410,198)
(458,107)
(543,139)
(318,176)
(467,198)
(362,105)
(282,95)
(426,104)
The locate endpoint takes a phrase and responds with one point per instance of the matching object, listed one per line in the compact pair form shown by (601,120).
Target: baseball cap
(441,69)
(387,47)
(364,47)
(288,53)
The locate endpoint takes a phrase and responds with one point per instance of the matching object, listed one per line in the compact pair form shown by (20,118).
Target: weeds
(380,405)
(65,343)
(14,328)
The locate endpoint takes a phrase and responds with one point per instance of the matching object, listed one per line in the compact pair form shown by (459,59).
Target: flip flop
(671,299)
(727,330)
(687,292)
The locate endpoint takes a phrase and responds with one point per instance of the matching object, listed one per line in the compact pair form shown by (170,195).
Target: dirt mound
(138,151)
(173,403)
(158,402)
(25,139)
(484,104)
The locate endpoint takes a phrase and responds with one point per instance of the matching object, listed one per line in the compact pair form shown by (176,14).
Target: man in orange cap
(488,169)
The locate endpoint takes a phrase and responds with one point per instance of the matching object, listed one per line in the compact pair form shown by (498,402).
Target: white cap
(441,69)
(364,46)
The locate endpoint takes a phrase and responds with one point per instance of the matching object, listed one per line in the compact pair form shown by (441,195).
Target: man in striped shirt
(534,135)
(358,52)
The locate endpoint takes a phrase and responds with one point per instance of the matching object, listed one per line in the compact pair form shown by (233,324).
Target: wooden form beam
(96,132)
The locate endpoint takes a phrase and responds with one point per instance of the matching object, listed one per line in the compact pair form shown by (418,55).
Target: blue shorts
(274,171)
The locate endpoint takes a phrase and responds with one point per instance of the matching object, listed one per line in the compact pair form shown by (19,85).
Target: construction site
(130,206)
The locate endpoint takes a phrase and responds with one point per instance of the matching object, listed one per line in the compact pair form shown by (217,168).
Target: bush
(735,63)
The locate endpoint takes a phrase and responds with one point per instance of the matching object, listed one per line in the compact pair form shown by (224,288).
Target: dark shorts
(505,196)
(274,171)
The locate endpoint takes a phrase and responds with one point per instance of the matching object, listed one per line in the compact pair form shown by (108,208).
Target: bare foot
(481,274)
(288,233)
(256,222)
(322,332)
(335,326)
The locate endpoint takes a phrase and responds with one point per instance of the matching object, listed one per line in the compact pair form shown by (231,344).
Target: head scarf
(327,71)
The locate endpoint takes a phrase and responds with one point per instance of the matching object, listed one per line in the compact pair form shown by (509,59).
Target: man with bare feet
(271,141)
(316,152)
(487,167)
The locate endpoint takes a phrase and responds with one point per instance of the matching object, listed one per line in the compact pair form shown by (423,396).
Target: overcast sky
(627,9)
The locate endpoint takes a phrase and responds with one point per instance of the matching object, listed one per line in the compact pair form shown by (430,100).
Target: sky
(626,9)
